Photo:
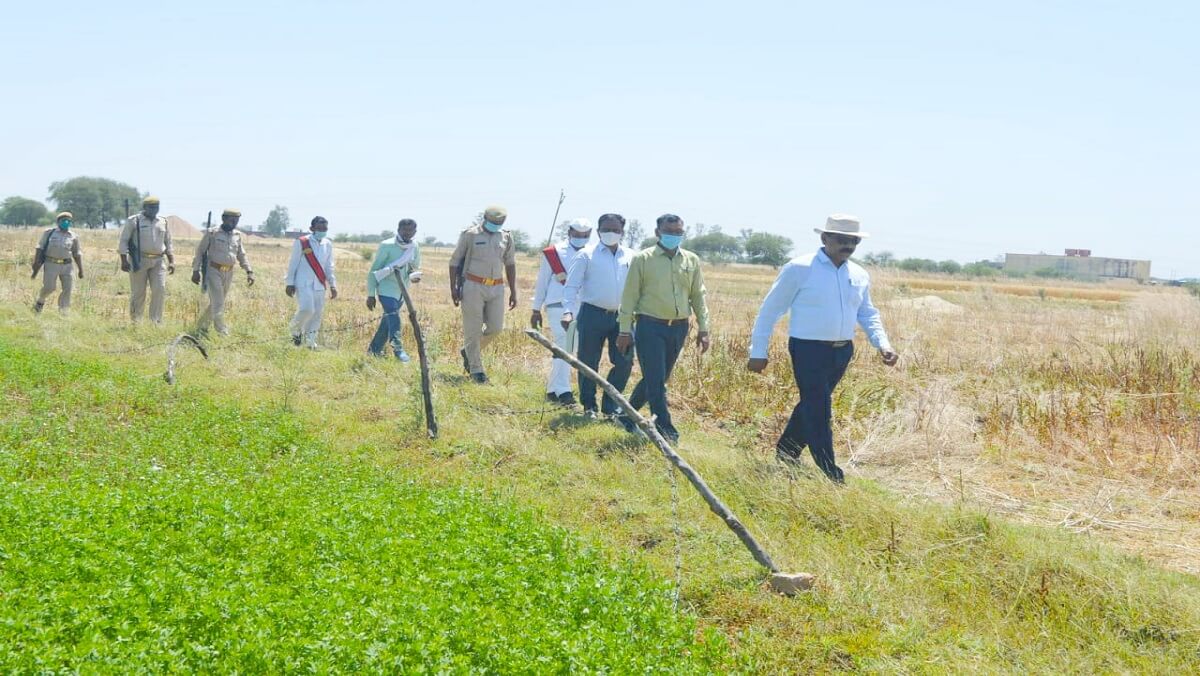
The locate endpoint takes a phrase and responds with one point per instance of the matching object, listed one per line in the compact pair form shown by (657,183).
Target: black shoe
(480,378)
(566,399)
(627,424)
(551,398)
(787,458)
(296,341)
(37,307)
(466,362)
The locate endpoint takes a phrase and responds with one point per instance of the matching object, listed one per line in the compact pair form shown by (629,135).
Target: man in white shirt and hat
(310,272)
(825,294)
(548,294)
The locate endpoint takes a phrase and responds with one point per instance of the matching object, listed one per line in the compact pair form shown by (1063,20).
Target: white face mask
(610,238)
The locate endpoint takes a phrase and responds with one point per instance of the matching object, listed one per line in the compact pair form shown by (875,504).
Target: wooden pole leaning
(422,358)
(784,583)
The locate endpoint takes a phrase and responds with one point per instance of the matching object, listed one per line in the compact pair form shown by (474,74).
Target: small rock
(790,584)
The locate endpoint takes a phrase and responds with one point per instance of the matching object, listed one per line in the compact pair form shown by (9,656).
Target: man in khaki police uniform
(219,249)
(145,242)
(56,247)
(475,283)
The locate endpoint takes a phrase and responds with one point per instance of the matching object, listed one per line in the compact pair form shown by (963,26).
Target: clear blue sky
(954,130)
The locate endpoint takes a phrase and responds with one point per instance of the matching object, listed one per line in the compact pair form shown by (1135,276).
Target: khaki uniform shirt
(59,243)
(484,254)
(662,286)
(224,248)
(152,237)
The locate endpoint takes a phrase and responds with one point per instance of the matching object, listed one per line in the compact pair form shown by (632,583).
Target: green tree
(980,269)
(763,248)
(278,221)
(716,246)
(521,240)
(950,267)
(22,211)
(94,201)
(634,233)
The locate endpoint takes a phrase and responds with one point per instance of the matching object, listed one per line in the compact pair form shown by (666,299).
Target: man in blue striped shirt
(826,294)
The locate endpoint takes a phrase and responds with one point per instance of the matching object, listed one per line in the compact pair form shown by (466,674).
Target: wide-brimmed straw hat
(842,224)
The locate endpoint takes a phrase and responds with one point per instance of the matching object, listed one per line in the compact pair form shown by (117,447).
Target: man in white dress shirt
(310,272)
(591,298)
(825,293)
(548,294)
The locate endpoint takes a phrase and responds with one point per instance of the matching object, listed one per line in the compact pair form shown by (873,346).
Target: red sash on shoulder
(556,265)
(306,249)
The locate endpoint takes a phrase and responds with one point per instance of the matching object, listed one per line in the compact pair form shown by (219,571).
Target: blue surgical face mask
(491,227)
(578,242)
(65,224)
(670,241)
(318,235)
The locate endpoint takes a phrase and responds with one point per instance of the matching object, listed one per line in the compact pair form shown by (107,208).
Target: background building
(1078,263)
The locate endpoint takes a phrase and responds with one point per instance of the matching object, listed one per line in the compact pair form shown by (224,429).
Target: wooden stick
(426,387)
(170,374)
(714,503)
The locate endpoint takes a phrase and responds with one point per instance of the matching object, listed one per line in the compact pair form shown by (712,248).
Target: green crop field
(145,529)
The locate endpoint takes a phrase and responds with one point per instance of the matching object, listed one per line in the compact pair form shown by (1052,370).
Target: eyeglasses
(845,239)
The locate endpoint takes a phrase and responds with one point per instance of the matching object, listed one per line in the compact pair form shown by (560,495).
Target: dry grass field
(1071,409)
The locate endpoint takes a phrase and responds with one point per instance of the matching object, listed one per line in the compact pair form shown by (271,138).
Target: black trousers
(817,367)
(595,327)
(658,348)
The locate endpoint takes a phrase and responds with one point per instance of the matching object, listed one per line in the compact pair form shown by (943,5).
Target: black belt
(597,308)
(60,261)
(660,320)
(830,343)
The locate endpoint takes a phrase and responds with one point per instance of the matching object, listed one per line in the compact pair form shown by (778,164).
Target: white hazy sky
(954,130)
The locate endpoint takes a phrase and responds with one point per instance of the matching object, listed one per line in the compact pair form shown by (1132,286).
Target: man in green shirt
(664,287)
(399,258)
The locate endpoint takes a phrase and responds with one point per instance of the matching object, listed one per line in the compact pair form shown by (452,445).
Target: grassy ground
(150,529)
(920,567)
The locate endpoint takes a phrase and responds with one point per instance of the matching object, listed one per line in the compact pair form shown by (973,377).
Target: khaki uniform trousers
(52,274)
(219,284)
(483,319)
(154,273)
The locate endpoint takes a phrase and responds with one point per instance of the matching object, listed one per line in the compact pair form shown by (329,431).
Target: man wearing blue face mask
(482,253)
(663,288)
(56,248)
(548,293)
(310,272)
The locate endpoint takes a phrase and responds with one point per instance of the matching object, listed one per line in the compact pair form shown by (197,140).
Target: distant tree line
(95,203)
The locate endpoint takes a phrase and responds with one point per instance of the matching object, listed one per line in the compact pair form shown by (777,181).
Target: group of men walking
(594,297)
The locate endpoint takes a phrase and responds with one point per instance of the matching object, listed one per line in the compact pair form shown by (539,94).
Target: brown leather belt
(150,255)
(60,261)
(483,280)
(659,320)
(221,267)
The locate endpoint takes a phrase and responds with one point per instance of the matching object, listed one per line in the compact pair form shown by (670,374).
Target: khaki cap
(231,212)
(495,214)
(150,200)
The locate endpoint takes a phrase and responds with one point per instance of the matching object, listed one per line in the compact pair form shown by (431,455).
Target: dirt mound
(932,304)
(180,228)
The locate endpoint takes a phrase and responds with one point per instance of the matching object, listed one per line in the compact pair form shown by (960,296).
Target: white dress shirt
(300,274)
(597,278)
(824,301)
(548,290)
